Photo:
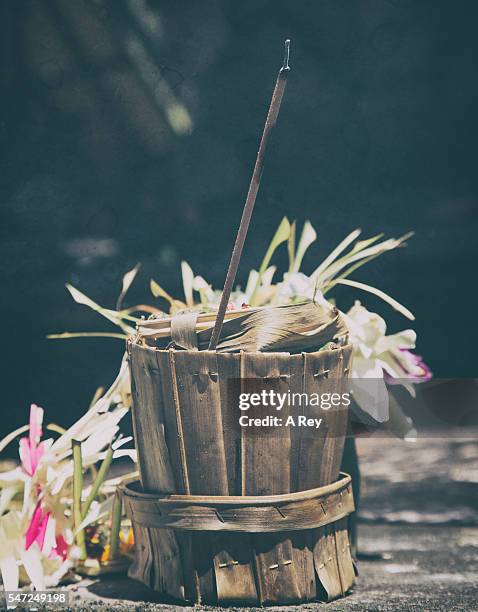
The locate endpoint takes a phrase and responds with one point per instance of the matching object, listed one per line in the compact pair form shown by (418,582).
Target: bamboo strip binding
(268,514)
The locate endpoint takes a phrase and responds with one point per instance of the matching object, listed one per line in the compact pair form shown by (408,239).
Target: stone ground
(418,532)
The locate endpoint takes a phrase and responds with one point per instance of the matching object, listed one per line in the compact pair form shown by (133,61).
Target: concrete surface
(419,530)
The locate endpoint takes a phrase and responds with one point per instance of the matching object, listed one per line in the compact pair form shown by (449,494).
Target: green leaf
(328,285)
(116,513)
(159,292)
(291,245)
(77,491)
(56,428)
(335,253)
(96,396)
(111,315)
(378,249)
(128,279)
(251,283)
(282,234)
(68,335)
(268,276)
(102,472)
(363,244)
(381,294)
(308,236)
(12,435)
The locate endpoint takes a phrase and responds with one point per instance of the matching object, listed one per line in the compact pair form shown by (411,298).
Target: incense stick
(251,196)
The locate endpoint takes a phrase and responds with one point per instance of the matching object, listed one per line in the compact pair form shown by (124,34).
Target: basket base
(225,567)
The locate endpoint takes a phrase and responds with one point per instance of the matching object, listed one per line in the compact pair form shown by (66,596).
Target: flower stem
(116,513)
(100,476)
(77,490)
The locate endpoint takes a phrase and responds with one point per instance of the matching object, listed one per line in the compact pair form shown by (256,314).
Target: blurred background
(129,130)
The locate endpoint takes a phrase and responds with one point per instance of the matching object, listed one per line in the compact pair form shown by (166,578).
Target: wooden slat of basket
(233,562)
(168,569)
(319,370)
(172,424)
(229,369)
(333,560)
(160,565)
(234,569)
(337,417)
(198,409)
(307,460)
(155,471)
(296,385)
(265,465)
(266,470)
(332,556)
(303,543)
(326,565)
(199,404)
(164,409)
(342,542)
(322,373)
(142,567)
(203,555)
(277,570)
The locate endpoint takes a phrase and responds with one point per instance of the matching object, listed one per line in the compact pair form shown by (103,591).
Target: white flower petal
(121,442)
(366,368)
(97,510)
(31,560)
(9,571)
(50,540)
(371,396)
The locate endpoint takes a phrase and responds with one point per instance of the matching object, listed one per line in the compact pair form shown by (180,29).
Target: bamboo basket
(223,515)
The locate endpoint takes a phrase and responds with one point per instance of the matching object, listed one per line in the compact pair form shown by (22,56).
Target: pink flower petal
(417,362)
(26,456)
(40,539)
(36,421)
(31,449)
(37,528)
(33,527)
(61,548)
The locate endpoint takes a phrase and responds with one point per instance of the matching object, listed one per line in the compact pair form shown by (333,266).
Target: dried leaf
(293,327)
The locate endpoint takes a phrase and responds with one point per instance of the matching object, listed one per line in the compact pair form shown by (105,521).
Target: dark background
(128,133)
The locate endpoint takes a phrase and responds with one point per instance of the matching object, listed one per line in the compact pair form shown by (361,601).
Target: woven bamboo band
(290,512)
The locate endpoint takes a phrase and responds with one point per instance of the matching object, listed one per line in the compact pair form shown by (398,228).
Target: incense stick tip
(285,64)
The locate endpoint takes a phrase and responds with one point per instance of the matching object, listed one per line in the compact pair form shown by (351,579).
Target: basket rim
(343,482)
(133,341)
